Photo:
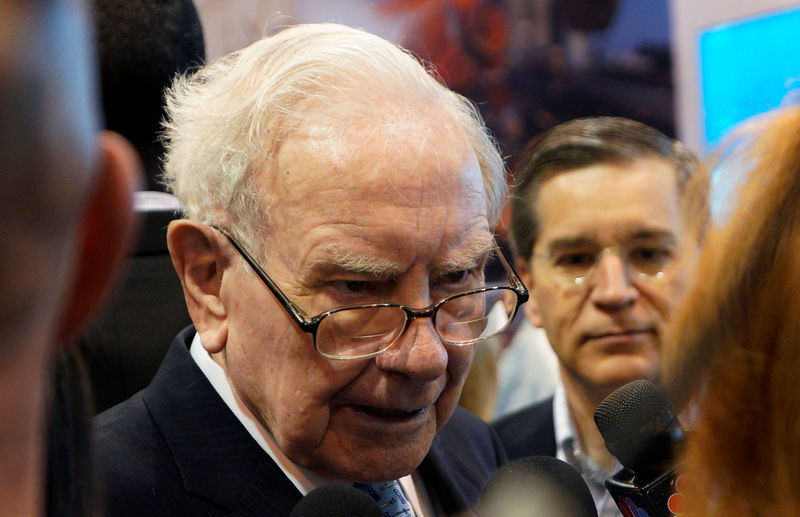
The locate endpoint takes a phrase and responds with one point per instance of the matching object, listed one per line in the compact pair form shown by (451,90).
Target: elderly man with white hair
(340,206)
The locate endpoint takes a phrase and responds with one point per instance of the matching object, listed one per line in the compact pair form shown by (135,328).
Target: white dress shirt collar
(568,449)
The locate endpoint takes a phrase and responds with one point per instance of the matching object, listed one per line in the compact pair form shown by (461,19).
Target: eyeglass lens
(461,320)
(645,261)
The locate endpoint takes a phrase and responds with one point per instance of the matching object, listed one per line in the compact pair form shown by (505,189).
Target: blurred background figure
(531,65)
(466,41)
(142,45)
(732,357)
(65,202)
(479,394)
(527,369)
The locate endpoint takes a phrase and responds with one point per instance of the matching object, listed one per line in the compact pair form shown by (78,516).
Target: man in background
(65,203)
(339,204)
(608,216)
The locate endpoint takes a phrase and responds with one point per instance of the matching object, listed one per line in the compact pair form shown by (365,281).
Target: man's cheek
(459,360)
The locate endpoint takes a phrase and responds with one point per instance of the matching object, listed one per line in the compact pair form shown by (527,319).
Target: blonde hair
(226,122)
(733,345)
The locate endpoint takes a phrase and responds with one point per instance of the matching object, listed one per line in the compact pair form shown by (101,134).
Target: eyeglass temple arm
(519,286)
(296,312)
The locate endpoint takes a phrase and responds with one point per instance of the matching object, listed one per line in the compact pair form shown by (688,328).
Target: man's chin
(381,458)
(613,371)
(611,380)
(369,470)
(363,445)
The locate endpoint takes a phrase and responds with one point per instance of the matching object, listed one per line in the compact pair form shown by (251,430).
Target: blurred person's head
(352,177)
(731,356)
(607,218)
(142,45)
(65,207)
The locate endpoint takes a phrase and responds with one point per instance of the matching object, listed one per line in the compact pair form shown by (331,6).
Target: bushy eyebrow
(664,236)
(472,257)
(569,243)
(344,260)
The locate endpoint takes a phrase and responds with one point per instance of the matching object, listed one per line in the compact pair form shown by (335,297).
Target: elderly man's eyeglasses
(367,330)
(574,268)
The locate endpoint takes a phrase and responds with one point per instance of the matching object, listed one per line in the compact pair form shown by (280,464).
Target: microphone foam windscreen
(638,425)
(337,500)
(537,486)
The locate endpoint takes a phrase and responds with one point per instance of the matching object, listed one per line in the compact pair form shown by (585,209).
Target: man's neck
(582,403)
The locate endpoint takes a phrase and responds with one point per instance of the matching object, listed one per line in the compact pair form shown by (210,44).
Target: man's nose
(419,353)
(612,283)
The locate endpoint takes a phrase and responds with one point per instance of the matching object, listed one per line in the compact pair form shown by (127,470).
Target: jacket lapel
(445,484)
(462,458)
(219,461)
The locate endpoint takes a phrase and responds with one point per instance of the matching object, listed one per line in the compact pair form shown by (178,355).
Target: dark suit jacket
(529,431)
(175,448)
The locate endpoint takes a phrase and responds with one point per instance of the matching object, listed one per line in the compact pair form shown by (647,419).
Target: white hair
(225,123)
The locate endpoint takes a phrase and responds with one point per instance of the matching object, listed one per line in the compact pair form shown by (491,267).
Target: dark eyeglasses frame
(310,325)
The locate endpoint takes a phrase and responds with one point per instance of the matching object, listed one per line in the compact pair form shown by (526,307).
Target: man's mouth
(390,413)
(625,338)
(621,333)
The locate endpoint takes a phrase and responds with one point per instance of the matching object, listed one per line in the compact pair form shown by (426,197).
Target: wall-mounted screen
(747,67)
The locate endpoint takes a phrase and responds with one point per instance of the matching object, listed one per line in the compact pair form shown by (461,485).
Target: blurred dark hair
(71,488)
(142,45)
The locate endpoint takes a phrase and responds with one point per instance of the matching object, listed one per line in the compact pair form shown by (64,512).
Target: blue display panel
(747,68)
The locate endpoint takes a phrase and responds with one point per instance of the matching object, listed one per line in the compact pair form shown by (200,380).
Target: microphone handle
(657,497)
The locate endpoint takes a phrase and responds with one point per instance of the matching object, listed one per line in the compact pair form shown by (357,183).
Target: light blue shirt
(568,449)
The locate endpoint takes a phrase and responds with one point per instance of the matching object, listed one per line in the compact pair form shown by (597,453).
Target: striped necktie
(390,498)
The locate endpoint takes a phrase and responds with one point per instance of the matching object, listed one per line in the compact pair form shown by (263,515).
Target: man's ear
(103,232)
(196,255)
(531,307)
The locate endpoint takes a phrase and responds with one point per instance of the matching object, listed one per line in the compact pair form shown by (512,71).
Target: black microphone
(537,486)
(641,430)
(337,500)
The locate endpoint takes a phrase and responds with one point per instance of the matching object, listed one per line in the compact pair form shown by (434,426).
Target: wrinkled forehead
(355,177)
(48,116)
(376,144)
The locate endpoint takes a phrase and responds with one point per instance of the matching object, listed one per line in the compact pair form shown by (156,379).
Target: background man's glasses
(574,269)
(367,330)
